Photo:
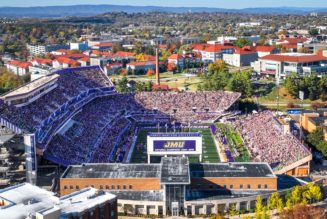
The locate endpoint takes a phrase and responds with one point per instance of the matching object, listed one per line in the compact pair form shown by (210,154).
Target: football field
(209,151)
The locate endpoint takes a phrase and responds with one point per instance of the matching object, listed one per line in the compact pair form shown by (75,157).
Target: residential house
(18,67)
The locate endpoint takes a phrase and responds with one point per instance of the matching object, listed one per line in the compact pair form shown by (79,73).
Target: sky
(236,4)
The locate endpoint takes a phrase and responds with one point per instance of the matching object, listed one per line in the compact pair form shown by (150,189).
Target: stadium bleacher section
(265,140)
(83,119)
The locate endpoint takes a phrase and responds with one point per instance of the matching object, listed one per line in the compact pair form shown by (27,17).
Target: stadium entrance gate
(174,209)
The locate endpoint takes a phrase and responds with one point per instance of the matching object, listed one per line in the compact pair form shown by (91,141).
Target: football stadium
(173,152)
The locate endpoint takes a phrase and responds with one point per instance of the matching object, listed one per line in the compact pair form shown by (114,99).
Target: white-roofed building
(28,201)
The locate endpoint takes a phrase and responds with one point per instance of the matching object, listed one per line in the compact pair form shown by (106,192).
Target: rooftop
(154,195)
(231,170)
(294,57)
(318,121)
(113,171)
(31,86)
(25,199)
(175,170)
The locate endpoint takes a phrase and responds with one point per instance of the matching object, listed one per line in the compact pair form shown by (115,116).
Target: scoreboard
(164,144)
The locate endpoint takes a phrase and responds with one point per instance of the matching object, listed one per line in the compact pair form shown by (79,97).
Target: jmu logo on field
(174,144)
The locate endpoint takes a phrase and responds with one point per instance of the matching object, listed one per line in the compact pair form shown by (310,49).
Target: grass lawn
(178,80)
(284,96)
(209,151)
(235,142)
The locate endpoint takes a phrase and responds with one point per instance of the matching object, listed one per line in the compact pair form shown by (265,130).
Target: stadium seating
(266,141)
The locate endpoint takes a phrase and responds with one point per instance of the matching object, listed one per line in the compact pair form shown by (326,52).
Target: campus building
(174,186)
(28,201)
(43,49)
(284,64)
(311,120)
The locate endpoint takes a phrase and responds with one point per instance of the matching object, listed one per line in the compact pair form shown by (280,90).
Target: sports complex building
(159,152)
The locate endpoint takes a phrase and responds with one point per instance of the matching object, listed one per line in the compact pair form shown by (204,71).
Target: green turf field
(235,142)
(209,151)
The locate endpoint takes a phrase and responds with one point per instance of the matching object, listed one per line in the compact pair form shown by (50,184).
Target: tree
(140,57)
(322,147)
(241,82)
(323,87)
(258,207)
(123,72)
(275,202)
(311,85)
(241,42)
(122,85)
(303,212)
(233,211)
(165,54)
(312,193)
(217,66)
(150,72)
(183,48)
(291,84)
(9,81)
(171,67)
(315,137)
(314,32)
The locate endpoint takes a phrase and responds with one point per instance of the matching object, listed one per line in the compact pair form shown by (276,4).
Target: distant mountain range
(91,10)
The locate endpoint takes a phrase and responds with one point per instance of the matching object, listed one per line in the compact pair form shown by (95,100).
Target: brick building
(174,185)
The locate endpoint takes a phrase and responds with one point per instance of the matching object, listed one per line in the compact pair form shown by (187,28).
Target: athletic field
(209,151)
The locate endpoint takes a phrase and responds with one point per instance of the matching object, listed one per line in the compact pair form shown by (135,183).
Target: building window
(107,187)
(241,186)
(118,187)
(124,186)
(225,186)
(231,186)
(249,186)
(112,187)
(65,187)
(101,187)
(266,186)
(130,187)
(92,186)
(77,187)
(259,186)
(71,187)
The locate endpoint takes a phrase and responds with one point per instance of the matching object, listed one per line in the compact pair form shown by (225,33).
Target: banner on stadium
(172,145)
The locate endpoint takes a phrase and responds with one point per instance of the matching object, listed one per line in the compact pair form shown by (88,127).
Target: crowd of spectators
(265,140)
(70,83)
(95,130)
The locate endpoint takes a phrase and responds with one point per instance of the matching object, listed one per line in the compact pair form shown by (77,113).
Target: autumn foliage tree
(303,212)
(8,80)
(150,72)
(171,66)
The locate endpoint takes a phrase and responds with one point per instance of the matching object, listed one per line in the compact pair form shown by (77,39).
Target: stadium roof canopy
(31,86)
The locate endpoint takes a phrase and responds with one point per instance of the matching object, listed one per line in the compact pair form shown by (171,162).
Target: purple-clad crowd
(96,131)
(70,83)
(263,136)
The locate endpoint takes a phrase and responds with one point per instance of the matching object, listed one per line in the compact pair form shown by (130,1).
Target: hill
(90,10)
